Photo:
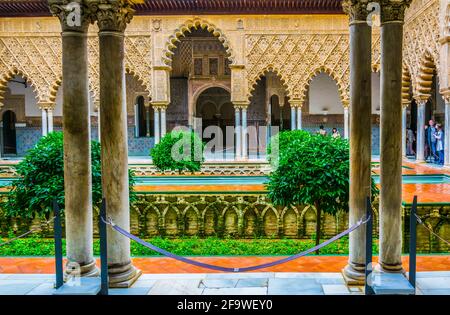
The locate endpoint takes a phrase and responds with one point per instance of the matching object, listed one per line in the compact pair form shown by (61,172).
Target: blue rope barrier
(229,269)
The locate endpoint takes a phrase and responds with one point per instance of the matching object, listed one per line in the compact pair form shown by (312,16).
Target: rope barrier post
(369,226)
(103,250)
(57,229)
(413,243)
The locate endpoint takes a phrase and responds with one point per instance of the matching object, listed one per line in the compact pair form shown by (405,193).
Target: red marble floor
(168,265)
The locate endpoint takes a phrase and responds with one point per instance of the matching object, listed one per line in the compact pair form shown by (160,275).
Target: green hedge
(190,247)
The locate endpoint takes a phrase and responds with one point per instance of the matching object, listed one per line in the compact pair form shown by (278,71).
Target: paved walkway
(267,283)
(160,265)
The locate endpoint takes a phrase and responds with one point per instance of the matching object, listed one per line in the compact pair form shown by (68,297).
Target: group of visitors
(434,142)
(334,133)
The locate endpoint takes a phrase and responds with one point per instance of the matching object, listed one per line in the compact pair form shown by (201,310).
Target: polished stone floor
(267,283)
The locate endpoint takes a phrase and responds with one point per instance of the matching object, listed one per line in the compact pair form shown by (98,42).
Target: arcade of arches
(296,71)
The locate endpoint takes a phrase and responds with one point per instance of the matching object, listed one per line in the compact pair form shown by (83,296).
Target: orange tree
(311,170)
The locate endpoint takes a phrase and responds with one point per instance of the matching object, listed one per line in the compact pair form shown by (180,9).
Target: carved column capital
(356,9)
(296,103)
(111,15)
(46,105)
(241,105)
(393,10)
(74,15)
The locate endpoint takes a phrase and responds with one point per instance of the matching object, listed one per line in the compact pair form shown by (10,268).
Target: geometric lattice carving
(186,27)
(421,40)
(36,58)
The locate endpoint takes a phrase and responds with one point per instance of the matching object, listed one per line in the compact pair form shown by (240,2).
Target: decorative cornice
(393,10)
(73,14)
(356,9)
(111,15)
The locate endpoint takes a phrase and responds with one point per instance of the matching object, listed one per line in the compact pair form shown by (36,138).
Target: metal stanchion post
(369,227)
(412,243)
(103,250)
(58,246)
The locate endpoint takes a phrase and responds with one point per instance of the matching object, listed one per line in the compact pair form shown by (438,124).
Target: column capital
(405,104)
(421,99)
(159,105)
(296,103)
(112,15)
(241,105)
(74,15)
(393,10)
(356,9)
(346,103)
(445,95)
(46,105)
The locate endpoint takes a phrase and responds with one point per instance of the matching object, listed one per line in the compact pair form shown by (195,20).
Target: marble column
(147,119)
(404,127)
(77,149)
(360,135)
(293,118)
(237,126)
(163,122)
(447,131)
(299,117)
(50,119)
(420,138)
(44,121)
(346,122)
(112,19)
(390,217)
(157,126)
(244,133)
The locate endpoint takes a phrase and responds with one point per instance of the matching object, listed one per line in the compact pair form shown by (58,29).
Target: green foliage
(41,178)
(193,246)
(179,151)
(312,170)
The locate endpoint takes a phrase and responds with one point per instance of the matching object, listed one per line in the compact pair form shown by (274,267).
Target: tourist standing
(410,138)
(430,131)
(322,131)
(335,133)
(438,135)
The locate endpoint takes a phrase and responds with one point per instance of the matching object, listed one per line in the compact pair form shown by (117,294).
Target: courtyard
(295,139)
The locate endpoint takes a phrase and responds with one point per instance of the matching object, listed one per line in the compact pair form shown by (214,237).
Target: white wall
(323,93)
(31,108)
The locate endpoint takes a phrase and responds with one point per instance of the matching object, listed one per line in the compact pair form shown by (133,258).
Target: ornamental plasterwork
(297,59)
(196,23)
(37,58)
(421,38)
(138,51)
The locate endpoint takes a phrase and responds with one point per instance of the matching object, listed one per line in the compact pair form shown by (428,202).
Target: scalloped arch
(10,74)
(342,89)
(269,68)
(424,81)
(187,27)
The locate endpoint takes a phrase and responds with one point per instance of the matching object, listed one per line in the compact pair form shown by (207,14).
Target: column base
(88,270)
(353,276)
(123,276)
(380,267)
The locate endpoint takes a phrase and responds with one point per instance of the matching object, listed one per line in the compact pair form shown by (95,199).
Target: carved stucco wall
(296,47)
(421,43)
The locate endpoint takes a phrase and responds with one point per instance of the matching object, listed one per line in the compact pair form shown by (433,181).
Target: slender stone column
(346,121)
(293,118)
(163,122)
(147,119)
(77,149)
(97,109)
(244,133)
(157,124)
(50,119)
(113,17)
(404,107)
(237,126)
(299,117)
(392,16)
(44,121)
(360,135)
(447,131)
(420,143)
